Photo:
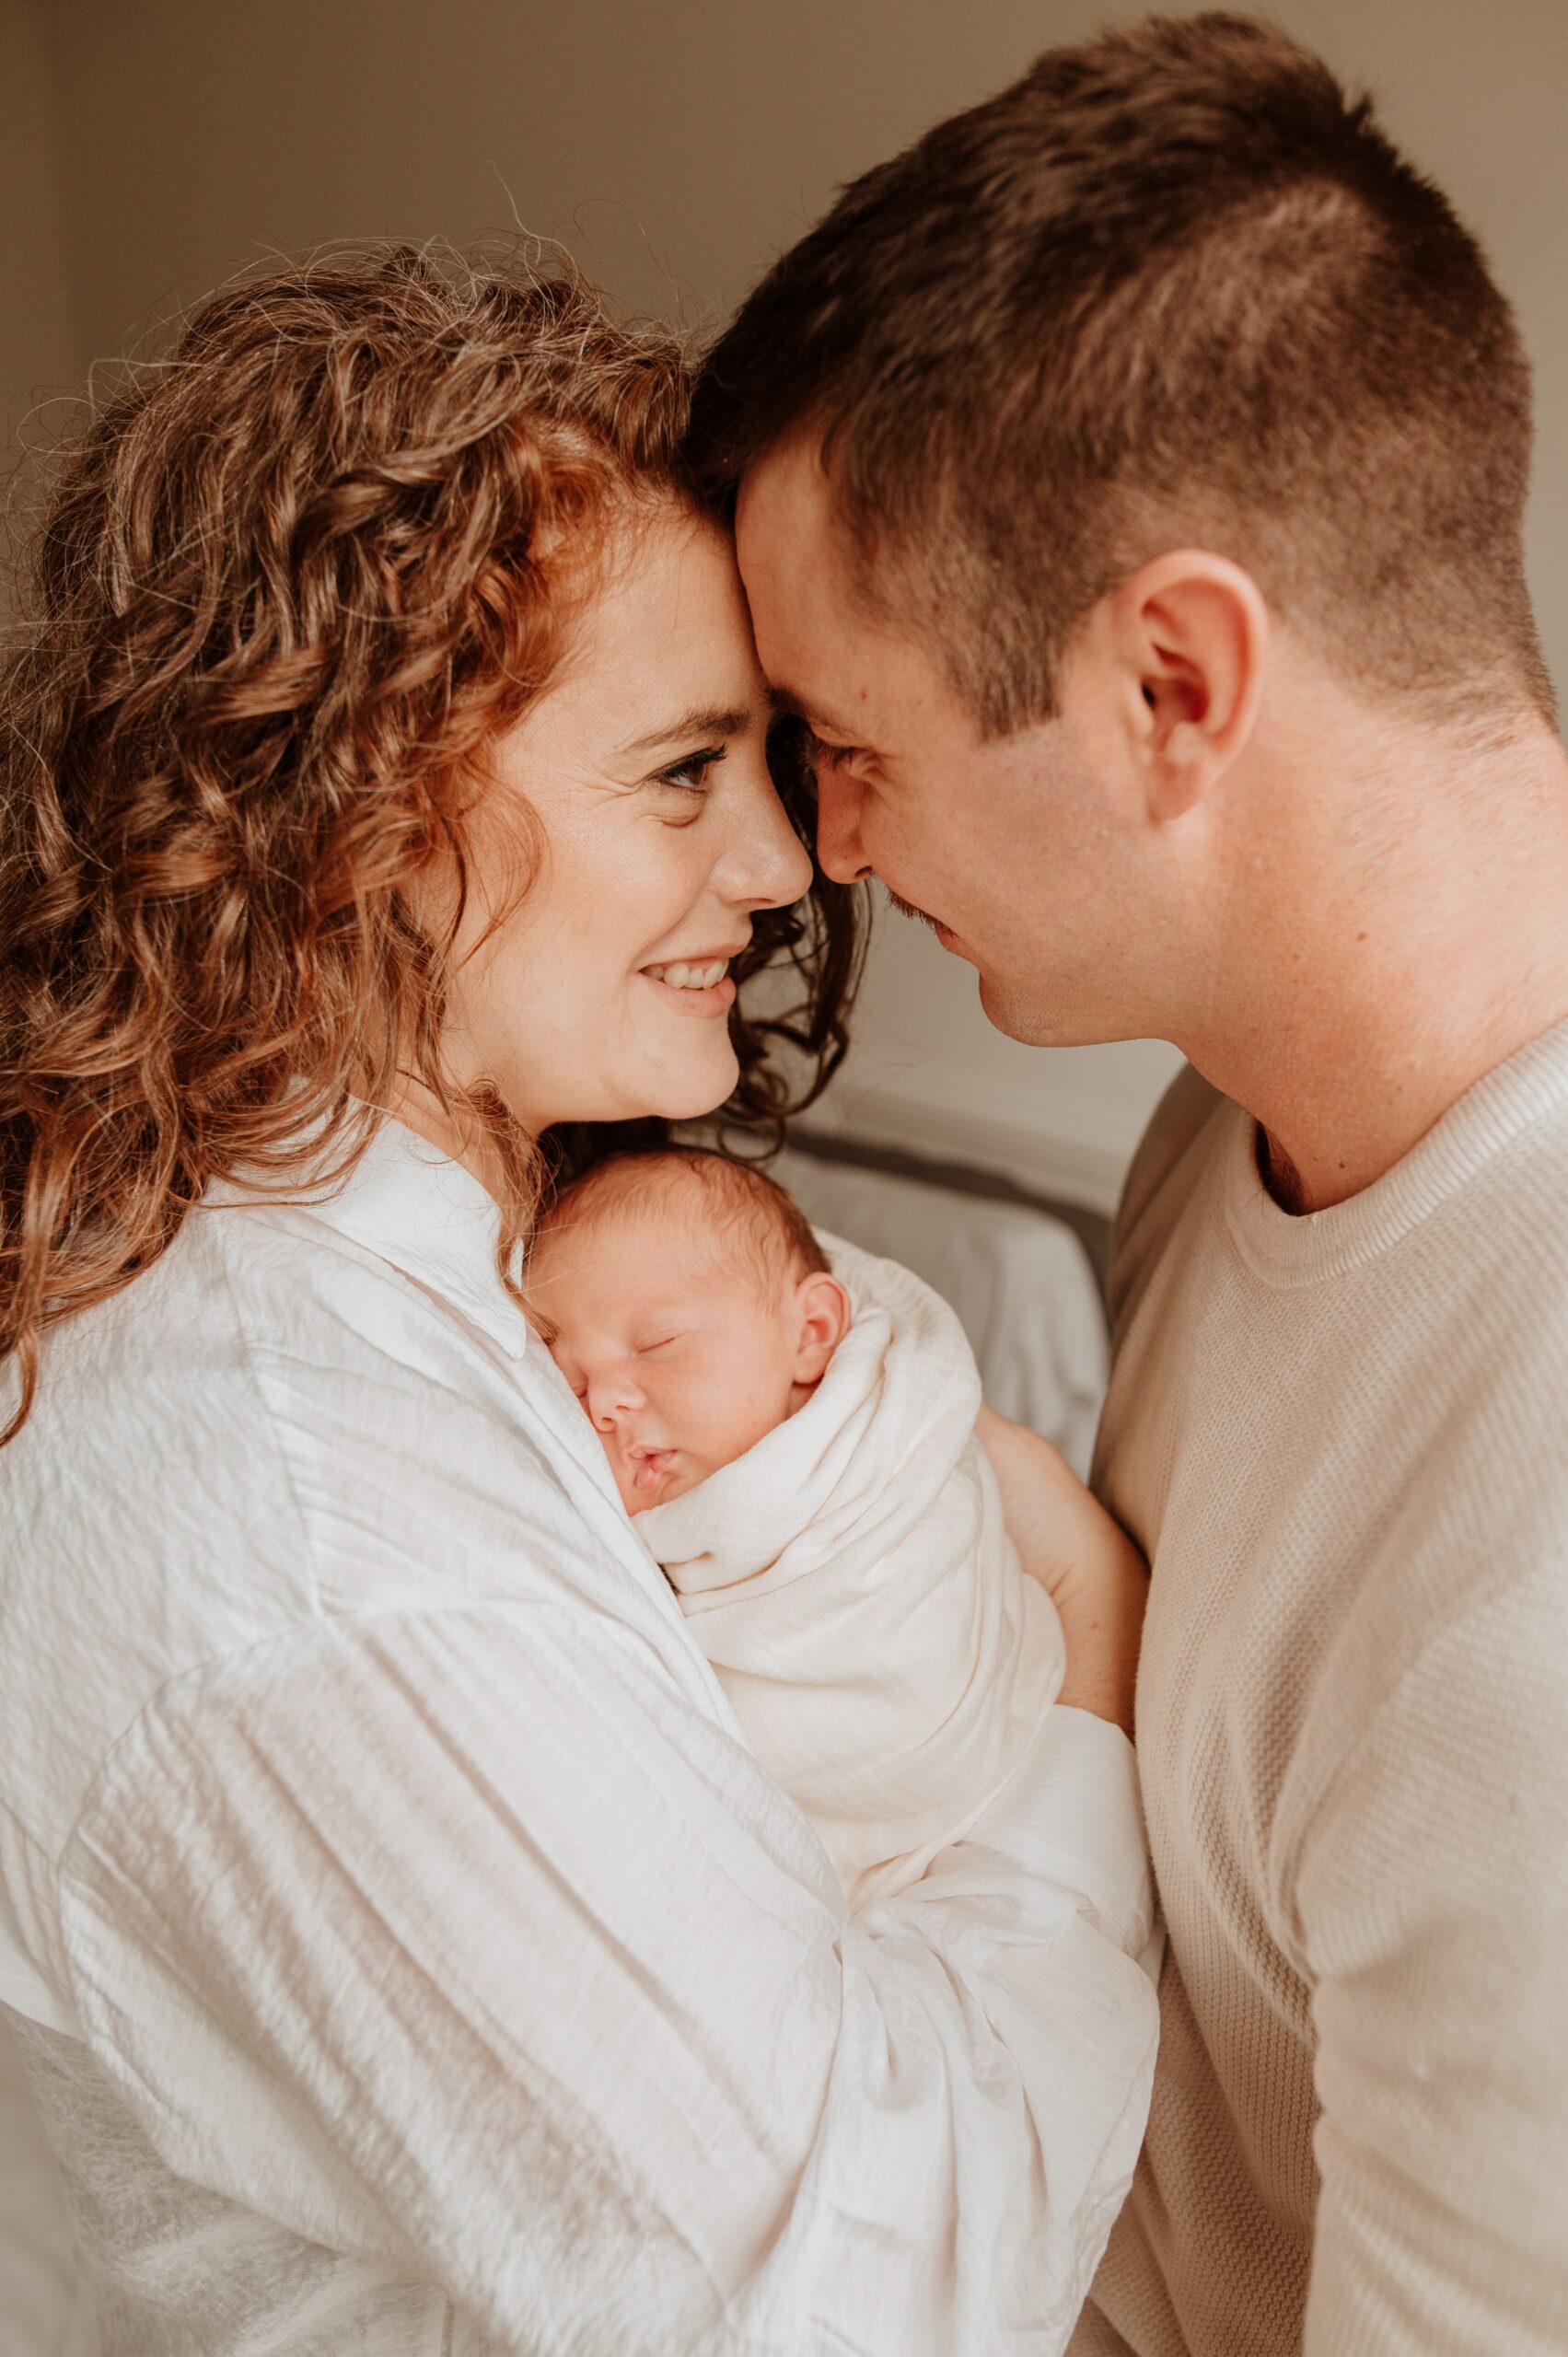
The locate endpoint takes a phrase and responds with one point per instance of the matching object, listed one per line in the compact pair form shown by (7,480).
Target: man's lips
(918,915)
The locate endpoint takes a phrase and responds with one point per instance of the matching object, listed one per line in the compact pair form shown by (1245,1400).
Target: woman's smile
(699,985)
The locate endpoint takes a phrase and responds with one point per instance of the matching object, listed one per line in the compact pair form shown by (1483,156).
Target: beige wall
(676,145)
(40,342)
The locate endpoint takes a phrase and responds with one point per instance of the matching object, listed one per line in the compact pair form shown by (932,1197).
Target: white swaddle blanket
(851,1582)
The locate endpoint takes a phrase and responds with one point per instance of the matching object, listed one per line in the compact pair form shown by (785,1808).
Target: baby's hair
(717,1197)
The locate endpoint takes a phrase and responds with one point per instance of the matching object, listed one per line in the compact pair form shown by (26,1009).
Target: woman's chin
(668,1089)
(688,1098)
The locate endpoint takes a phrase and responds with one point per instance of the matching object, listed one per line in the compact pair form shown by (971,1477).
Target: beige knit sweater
(1344,1441)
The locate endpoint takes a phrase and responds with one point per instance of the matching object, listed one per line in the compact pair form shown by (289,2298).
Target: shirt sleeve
(1435,1909)
(463,1939)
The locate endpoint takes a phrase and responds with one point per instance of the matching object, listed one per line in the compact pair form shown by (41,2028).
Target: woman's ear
(822,1308)
(1188,636)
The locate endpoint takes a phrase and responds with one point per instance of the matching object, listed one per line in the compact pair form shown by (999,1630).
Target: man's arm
(1433,1903)
(1096,1577)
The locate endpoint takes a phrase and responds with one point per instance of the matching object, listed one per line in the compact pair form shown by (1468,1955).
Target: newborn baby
(792,1423)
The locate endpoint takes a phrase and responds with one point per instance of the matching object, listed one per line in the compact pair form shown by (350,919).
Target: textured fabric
(852,1585)
(1344,1441)
(38,2267)
(1019,1280)
(414,1955)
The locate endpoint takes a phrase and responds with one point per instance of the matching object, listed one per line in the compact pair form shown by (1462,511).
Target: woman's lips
(690,974)
(688,998)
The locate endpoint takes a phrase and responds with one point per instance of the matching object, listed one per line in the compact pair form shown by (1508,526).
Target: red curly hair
(293,581)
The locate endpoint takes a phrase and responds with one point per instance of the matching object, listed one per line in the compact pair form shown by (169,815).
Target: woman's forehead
(665,632)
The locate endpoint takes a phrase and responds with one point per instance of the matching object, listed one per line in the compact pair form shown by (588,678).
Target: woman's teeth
(690,978)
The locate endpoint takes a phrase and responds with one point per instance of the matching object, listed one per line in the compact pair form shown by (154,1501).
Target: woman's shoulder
(272,1385)
(150,1524)
(270,1426)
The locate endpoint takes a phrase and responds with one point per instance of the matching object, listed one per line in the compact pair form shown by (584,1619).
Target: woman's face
(640,782)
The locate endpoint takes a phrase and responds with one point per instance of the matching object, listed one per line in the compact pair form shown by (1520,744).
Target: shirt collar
(420,1211)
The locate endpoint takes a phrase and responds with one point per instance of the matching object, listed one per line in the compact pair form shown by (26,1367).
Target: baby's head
(688,1305)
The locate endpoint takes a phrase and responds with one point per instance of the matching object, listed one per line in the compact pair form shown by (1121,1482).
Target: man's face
(1020,851)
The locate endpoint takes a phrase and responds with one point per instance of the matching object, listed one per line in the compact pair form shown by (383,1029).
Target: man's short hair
(1172,288)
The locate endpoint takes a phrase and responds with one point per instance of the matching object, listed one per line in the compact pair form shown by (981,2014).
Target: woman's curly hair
(292,581)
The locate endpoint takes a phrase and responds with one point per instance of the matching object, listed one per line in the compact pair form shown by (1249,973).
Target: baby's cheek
(752,1408)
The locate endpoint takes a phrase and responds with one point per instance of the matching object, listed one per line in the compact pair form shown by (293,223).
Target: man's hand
(1096,1578)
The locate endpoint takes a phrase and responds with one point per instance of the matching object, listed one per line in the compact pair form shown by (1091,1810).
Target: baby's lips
(653,1464)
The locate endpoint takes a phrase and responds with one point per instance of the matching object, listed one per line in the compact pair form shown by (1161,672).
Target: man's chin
(1021,1016)
(1001,1008)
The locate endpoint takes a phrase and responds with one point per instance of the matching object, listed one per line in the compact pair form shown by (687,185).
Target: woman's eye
(691,775)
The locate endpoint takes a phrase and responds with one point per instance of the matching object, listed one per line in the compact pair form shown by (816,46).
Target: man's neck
(1378,998)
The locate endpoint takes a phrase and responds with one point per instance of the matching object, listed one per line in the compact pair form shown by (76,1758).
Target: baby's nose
(612,1396)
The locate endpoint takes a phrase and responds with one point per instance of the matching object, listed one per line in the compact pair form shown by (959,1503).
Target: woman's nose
(767,866)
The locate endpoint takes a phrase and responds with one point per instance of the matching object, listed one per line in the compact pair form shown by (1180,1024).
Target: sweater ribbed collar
(1486,1121)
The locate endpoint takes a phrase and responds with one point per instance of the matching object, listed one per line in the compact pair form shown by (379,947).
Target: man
(1129,484)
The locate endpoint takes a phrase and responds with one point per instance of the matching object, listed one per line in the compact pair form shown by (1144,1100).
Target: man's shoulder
(1169,1161)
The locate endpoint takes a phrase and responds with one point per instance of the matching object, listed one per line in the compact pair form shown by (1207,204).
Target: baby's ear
(824,1312)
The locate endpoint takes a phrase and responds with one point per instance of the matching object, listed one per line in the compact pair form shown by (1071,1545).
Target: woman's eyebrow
(705,721)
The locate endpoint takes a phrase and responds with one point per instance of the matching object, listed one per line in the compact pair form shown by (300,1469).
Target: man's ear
(822,1308)
(1188,635)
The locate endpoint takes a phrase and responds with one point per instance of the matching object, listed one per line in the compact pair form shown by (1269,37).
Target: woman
(408,1954)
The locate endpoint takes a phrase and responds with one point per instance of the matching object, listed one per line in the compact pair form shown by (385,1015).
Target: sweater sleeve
(463,1939)
(1434,1900)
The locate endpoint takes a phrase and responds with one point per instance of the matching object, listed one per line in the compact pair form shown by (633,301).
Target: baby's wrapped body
(850,1579)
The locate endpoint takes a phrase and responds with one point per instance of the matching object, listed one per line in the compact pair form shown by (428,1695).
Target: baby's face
(676,1351)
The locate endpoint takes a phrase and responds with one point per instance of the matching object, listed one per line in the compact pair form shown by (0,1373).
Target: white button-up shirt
(411,1955)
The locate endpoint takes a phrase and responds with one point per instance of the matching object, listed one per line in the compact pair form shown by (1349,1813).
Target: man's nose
(839,847)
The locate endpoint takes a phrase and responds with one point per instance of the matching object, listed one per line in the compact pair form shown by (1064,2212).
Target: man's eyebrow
(787,704)
(705,721)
